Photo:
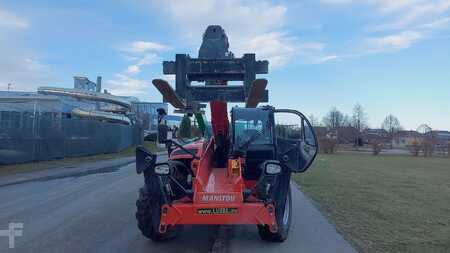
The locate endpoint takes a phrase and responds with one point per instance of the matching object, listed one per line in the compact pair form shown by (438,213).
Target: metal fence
(38,130)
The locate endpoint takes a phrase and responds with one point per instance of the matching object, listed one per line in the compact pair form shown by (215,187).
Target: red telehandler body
(241,173)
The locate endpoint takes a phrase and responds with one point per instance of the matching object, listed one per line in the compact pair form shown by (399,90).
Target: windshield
(251,126)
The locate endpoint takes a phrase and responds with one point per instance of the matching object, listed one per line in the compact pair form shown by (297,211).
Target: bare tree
(392,125)
(334,119)
(313,120)
(428,140)
(346,121)
(359,118)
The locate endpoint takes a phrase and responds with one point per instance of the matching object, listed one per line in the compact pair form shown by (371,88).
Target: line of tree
(389,132)
(335,119)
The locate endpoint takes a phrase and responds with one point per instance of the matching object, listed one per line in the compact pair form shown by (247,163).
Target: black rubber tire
(284,223)
(148,215)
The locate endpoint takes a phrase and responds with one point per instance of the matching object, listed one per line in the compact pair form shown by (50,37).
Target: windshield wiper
(254,137)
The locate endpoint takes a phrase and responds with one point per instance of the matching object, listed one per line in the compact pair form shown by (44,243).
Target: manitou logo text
(218,198)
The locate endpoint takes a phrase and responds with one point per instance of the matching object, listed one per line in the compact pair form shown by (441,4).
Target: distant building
(442,136)
(370,136)
(375,132)
(37,126)
(347,135)
(173,120)
(442,140)
(403,139)
(83,83)
(342,135)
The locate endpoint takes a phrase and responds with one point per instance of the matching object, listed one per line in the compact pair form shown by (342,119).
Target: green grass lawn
(34,166)
(384,203)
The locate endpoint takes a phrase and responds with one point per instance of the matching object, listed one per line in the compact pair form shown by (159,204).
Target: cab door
(296,140)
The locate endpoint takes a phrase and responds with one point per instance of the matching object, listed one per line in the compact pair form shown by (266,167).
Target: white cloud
(239,18)
(145,60)
(437,24)
(148,59)
(328,58)
(19,66)
(425,10)
(124,85)
(418,13)
(23,72)
(338,2)
(312,46)
(145,46)
(400,13)
(133,69)
(142,53)
(380,5)
(394,42)
(279,49)
(10,20)
(397,25)
(251,26)
(129,57)
(276,47)
(391,6)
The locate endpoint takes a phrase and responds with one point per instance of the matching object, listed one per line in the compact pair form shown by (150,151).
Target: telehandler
(241,173)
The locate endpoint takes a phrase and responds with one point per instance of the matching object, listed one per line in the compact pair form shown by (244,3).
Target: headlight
(162,169)
(273,168)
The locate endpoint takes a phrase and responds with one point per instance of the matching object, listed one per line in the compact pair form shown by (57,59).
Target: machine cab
(266,133)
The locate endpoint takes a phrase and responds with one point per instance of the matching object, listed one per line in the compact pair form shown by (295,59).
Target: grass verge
(384,203)
(42,165)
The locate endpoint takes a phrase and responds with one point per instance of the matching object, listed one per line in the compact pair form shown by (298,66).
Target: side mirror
(144,159)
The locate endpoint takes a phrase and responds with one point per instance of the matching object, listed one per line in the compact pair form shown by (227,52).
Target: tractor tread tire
(283,229)
(148,225)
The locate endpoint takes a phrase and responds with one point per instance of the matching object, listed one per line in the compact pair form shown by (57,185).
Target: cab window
(252,125)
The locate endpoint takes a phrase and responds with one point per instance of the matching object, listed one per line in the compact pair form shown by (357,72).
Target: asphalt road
(95,213)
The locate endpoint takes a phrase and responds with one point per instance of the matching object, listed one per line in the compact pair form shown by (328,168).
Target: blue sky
(390,56)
